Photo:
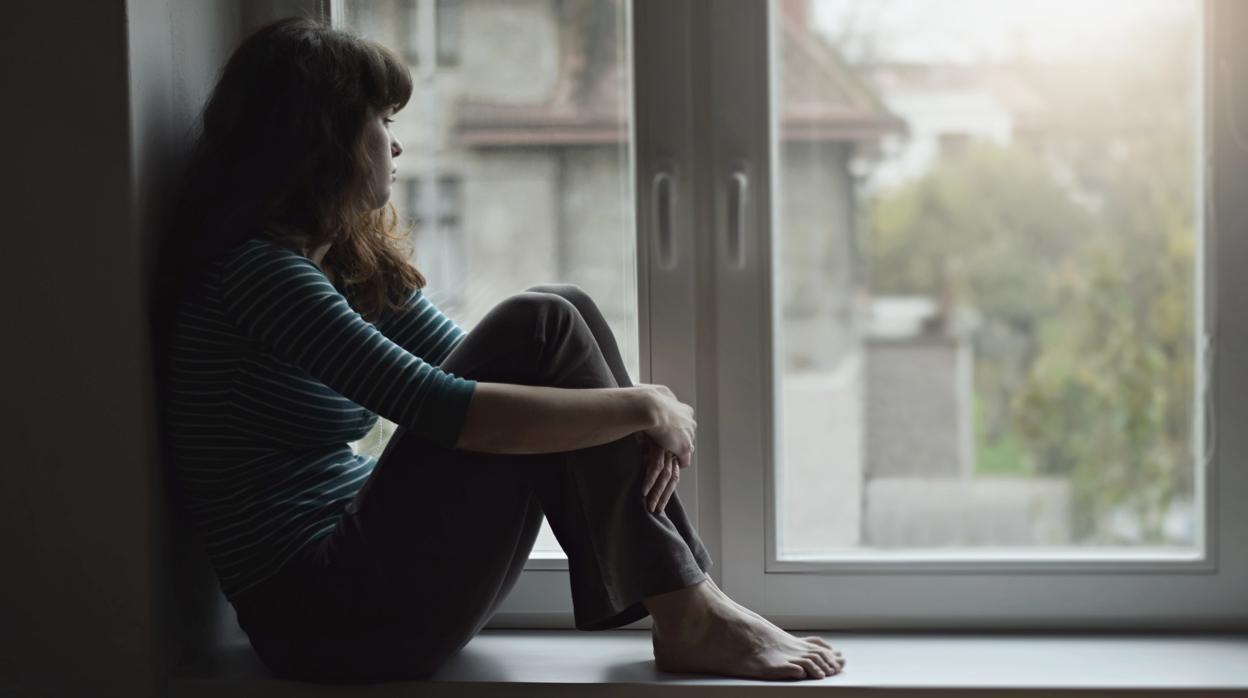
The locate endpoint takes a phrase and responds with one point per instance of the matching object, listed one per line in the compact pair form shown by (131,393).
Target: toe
(818,641)
(832,658)
(812,669)
(822,662)
(790,671)
(838,657)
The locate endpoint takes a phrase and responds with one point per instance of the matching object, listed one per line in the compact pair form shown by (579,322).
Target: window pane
(986,291)
(448,31)
(516,167)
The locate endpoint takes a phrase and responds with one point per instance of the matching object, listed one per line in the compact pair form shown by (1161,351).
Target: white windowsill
(563,662)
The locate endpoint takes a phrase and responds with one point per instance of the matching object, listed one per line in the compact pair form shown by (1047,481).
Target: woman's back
(259,442)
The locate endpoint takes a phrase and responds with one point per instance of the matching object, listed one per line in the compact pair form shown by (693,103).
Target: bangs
(386,79)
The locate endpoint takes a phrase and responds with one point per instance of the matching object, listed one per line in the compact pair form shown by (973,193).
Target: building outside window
(412,19)
(438,237)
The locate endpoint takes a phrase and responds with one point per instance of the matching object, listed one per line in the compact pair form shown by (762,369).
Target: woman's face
(382,148)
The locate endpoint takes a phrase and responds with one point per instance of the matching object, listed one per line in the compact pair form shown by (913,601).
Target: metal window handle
(738,196)
(662,208)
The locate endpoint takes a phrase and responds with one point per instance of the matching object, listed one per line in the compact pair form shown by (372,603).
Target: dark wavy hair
(280,149)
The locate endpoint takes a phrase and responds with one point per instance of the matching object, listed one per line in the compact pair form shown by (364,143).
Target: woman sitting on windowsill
(298,320)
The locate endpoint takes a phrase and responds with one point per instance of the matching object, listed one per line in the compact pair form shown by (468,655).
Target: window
(1013,371)
(937,277)
(438,238)
(444,37)
(411,30)
(517,165)
(447,23)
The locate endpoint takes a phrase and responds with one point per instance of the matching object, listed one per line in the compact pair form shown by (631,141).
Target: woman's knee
(531,308)
(571,292)
(535,319)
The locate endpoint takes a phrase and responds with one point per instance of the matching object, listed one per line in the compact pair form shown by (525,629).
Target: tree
(1084,284)
(1110,399)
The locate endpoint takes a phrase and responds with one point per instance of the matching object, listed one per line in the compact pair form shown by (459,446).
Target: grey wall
(90,138)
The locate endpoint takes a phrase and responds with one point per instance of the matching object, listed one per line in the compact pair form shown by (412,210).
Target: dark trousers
(436,538)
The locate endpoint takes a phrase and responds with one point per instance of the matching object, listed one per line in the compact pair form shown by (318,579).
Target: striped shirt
(272,374)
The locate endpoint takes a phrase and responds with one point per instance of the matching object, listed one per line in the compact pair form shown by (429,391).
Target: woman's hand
(675,428)
(662,474)
(667,447)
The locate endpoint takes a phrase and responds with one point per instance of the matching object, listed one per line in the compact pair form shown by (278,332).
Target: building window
(448,32)
(445,23)
(411,30)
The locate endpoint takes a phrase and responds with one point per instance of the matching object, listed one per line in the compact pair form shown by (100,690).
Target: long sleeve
(421,328)
(283,301)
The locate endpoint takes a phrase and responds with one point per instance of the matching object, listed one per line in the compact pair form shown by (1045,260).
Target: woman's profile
(298,319)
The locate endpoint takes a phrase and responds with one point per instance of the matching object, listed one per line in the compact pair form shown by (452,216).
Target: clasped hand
(662,473)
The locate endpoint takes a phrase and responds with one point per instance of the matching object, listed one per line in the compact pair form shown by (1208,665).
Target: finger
(659,485)
(672,479)
(654,467)
(672,482)
(654,462)
(686,459)
(812,669)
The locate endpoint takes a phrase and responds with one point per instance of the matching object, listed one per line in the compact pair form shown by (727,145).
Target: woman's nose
(396,148)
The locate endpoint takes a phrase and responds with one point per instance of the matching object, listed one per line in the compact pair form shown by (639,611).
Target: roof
(822,100)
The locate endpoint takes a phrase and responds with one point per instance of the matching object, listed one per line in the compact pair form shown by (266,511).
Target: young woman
(299,320)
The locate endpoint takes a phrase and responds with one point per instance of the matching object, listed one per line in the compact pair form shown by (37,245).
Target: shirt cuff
(449,422)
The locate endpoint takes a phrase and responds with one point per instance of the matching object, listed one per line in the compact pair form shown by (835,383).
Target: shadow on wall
(177,53)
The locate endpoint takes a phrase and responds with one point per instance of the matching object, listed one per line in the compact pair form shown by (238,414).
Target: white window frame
(1122,590)
(665,146)
(701,61)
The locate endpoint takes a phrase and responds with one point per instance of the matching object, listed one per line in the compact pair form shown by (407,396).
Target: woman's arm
(280,300)
(421,328)
(508,418)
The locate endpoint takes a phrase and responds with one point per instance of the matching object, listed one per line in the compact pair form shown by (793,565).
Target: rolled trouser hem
(620,612)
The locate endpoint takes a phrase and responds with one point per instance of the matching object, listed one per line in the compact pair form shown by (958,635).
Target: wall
(80,503)
(177,50)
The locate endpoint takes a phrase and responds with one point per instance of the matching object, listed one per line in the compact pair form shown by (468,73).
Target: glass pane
(516,167)
(986,312)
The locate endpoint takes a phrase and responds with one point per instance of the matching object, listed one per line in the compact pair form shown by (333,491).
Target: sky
(971,30)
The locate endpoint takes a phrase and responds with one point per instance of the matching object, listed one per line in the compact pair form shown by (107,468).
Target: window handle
(662,213)
(738,196)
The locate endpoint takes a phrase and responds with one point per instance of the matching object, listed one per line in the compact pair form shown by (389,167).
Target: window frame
(1136,590)
(665,144)
(703,340)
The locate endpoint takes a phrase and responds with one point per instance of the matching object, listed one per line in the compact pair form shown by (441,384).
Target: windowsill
(549,662)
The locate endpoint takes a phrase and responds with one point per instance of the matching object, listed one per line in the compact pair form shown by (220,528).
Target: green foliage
(1078,258)
(1003,456)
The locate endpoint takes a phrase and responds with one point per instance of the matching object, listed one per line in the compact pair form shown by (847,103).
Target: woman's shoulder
(264,241)
(261,249)
(232,269)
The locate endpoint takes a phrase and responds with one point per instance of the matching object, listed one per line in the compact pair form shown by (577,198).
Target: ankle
(680,608)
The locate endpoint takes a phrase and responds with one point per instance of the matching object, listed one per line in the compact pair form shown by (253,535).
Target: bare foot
(810,638)
(700,630)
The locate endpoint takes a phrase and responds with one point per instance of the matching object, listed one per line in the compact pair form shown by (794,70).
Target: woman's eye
(388,121)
